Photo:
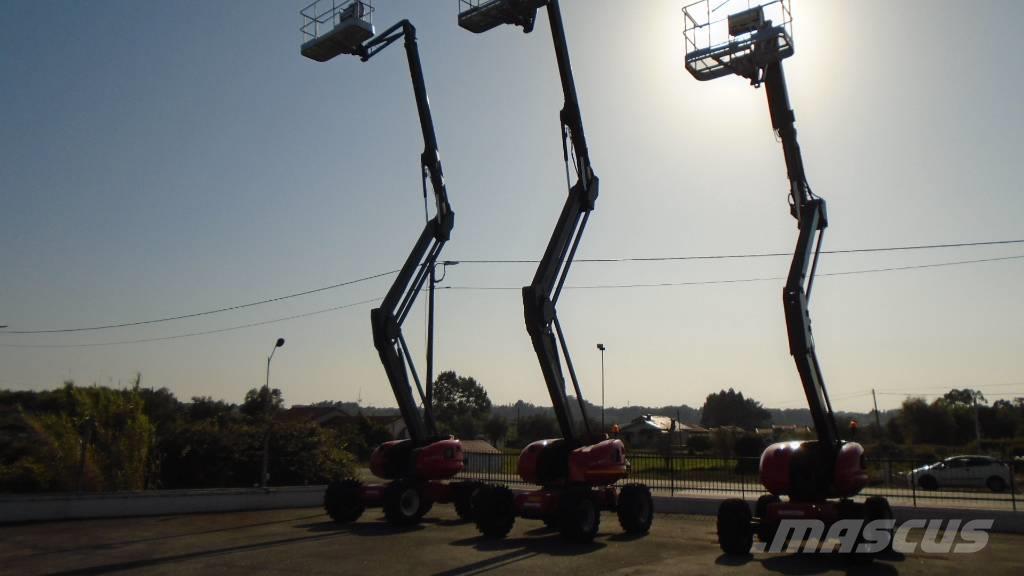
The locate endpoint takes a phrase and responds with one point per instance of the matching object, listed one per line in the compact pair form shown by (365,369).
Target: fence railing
(902,481)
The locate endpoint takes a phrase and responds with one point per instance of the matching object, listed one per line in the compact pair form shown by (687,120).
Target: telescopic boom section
(541,296)
(809,210)
(388,318)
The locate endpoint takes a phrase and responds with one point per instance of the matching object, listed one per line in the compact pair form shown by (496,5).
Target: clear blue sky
(160,158)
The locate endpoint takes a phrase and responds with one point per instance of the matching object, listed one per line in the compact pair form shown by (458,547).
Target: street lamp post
(266,413)
(601,348)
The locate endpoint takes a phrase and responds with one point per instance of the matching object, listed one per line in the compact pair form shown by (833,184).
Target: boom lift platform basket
(735,36)
(332,27)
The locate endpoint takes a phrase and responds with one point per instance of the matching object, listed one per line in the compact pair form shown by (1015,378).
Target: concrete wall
(50,507)
(29,508)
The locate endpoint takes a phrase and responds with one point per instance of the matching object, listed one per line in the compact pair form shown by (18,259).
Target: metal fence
(682,474)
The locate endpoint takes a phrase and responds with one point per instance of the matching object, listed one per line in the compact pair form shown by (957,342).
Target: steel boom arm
(541,296)
(809,210)
(388,318)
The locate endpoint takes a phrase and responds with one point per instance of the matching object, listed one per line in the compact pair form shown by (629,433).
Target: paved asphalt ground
(304,541)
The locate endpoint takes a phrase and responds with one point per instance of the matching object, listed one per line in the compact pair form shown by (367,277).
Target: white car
(962,472)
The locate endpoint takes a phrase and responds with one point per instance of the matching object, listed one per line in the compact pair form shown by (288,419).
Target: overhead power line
(591,260)
(202,333)
(746,280)
(751,255)
(204,313)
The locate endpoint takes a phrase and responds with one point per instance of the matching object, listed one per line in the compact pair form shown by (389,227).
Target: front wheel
(494,511)
(877,508)
(635,509)
(464,494)
(580,517)
(765,528)
(343,500)
(928,483)
(405,503)
(735,533)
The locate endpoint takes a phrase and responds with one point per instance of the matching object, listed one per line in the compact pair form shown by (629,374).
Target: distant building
(784,430)
(331,417)
(651,431)
(480,456)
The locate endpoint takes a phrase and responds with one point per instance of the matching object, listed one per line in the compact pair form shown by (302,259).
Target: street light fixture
(266,413)
(602,349)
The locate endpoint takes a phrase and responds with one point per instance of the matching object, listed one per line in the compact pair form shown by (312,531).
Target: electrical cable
(202,333)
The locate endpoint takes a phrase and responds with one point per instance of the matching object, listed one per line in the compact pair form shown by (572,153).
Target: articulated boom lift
(576,471)
(415,465)
(808,473)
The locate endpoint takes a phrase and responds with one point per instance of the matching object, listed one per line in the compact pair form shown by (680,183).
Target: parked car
(962,472)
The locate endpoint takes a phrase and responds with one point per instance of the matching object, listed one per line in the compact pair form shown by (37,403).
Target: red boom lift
(819,477)
(576,473)
(418,465)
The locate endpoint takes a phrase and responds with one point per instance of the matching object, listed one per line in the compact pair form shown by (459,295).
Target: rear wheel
(343,500)
(405,503)
(580,517)
(765,528)
(464,493)
(735,533)
(996,484)
(877,508)
(635,509)
(494,511)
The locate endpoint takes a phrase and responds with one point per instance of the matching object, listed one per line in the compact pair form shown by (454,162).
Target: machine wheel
(877,508)
(765,529)
(635,508)
(551,522)
(494,511)
(735,532)
(927,483)
(579,516)
(464,493)
(343,500)
(996,484)
(405,503)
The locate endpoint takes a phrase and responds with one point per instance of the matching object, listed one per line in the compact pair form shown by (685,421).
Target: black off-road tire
(635,509)
(765,529)
(464,492)
(735,532)
(579,516)
(877,508)
(405,502)
(494,511)
(343,500)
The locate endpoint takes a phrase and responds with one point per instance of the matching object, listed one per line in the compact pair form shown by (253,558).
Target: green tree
(535,427)
(496,428)
(262,402)
(964,397)
(730,408)
(460,404)
(205,407)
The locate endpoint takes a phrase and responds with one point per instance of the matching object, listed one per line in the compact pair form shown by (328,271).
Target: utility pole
(977,424)
(878,419)
(602,349)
